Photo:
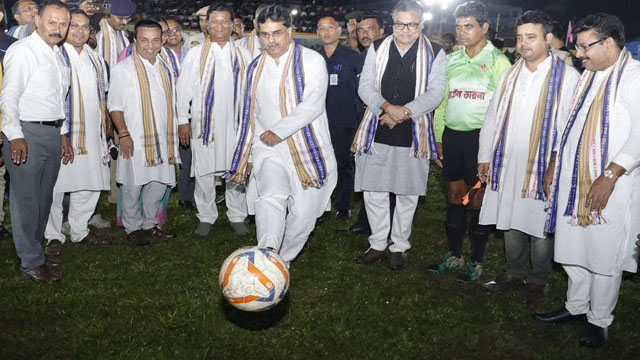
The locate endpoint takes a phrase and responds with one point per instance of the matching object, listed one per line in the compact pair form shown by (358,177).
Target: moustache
(55,35)
(366,39)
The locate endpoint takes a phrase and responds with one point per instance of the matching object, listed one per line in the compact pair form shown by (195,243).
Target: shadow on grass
(255,320)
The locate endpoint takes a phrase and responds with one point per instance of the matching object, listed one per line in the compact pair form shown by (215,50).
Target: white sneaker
(98,222)
(66,228)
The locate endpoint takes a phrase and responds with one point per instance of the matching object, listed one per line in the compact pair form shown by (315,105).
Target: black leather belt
(54,123)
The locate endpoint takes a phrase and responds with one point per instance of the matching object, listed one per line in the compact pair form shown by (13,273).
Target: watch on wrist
(609,174)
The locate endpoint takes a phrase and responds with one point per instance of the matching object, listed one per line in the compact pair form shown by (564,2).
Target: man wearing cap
(113,38)
(32,103)
(199,38)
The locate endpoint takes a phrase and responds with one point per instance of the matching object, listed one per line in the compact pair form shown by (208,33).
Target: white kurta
(124,95)
(506,208)
(216,156)
(87,172)
(310,202)
(119,42)
(609,248)
(257,47)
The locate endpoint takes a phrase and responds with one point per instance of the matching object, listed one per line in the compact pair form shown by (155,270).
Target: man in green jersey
(472,75)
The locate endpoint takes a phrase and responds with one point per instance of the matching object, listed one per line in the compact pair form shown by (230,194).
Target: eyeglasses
(275,34)
(584,48)
(401,26)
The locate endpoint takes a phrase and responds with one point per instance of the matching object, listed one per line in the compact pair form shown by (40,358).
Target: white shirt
(507,208)
(34,87)
(217,155)
(606,248)
(95,174)
(311,201)
(124,95)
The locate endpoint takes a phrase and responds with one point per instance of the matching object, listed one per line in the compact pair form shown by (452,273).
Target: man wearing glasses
(284,132)
(209,92)
(402,83)
(472,75)
(596,181)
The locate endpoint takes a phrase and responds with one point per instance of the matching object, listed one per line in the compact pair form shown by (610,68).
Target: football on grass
(254,279)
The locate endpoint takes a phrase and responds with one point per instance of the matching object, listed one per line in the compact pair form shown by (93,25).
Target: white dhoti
(377,205)
(592,294)
(82,204)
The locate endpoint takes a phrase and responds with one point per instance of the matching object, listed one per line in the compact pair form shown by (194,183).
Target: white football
(254,279)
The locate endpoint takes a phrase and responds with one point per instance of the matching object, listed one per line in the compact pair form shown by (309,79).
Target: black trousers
(341,138)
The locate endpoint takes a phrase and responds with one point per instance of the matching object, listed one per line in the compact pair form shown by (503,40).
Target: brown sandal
(93,240)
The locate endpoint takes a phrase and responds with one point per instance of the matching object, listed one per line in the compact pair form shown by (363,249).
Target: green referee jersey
(470,86)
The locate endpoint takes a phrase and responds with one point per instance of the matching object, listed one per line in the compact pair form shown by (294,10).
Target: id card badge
(333,79)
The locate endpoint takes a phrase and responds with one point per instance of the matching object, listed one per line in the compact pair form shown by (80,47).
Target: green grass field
(163,302)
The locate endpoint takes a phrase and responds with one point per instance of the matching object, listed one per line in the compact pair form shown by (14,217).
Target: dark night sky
(627,10)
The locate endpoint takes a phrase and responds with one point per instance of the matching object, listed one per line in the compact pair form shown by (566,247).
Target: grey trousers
(152,194)
(520,248)
(186,184)
(31,190)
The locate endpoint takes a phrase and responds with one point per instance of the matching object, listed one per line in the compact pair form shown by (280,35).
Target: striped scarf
(207,79)
(77,119)
(113,42)
(423,144)
(251,41)
(305,150)
(543,129)
(171,58)
(592,153)
(153,157)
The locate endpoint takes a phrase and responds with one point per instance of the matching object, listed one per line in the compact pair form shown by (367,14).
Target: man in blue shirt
(344,108)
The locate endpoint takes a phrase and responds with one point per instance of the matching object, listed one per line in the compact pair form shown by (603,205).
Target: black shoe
(188,205)
(343,215)
(593,336)
(40,273)
(397,260)
(4,232)
(370,256)
(354,230)
(503,282)
(562,316)
(532,293)
(139,237)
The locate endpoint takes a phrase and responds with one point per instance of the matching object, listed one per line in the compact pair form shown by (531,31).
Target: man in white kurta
(286,211)
(89,173)
(137,177)
(523,216)
(596,247)
(212,151)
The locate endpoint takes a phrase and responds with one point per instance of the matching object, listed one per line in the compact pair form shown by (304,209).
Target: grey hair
(407,6)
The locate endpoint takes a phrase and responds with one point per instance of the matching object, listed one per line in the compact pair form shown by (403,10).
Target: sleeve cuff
(626,161)
(13,132)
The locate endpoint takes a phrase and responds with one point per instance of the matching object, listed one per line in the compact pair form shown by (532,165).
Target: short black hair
(79,12)
(448,37)
(222,7)
(275,13)
(54,3)
(328,17)
(474,9)
(558,31)
(146,24)
(537,17)
(374,17)
(606,25)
